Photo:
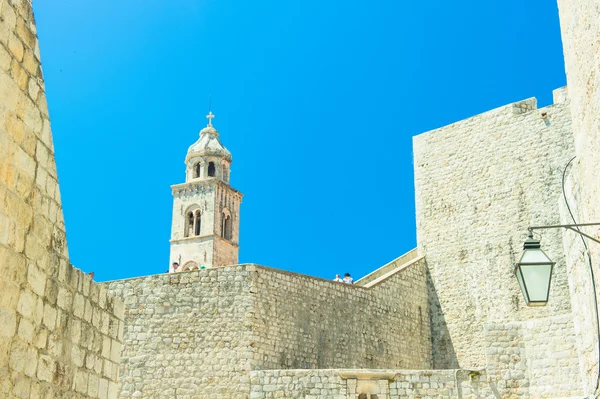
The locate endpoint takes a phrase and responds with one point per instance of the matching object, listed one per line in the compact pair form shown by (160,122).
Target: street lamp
(534,273)
(534,269)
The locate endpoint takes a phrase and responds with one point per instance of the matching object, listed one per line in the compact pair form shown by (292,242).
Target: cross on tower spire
(210,117)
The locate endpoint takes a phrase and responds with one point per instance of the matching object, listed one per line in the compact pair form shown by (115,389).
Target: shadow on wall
(442,349)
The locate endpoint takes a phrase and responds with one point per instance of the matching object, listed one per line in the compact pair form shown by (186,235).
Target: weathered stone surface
(384,383)
(236,319)
(534,358)
(240,331)
(580,28)
(303,322)
(39,357)
(479,184)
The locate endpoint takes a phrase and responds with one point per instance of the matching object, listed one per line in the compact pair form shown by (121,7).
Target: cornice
(205,237)
(199,185)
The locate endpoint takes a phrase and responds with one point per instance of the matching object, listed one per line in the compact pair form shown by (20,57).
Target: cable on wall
(589,258)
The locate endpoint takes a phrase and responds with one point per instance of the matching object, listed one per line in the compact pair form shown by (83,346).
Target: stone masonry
(187,334)
(371,384)
(203,332)
(60,333)
(534,358)
(304,322)
(445,320)
(479,183)
(580,28)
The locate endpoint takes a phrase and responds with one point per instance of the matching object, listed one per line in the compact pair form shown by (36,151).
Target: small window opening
(363,396)
(189,225)
(226,231)
(211,169)
(198,223)
(197,170)
(228,227)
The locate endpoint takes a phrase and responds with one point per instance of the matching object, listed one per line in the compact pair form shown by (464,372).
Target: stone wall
(202,332)
(187,334)
(305,384)
(386,384)
(534,358)
(580,27)
(479,183)
(305,322)
(59,332)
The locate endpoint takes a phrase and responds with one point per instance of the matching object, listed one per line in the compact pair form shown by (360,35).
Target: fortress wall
(305,322)
(580,28)
(479,183)
(186,334)
(297,384)
(386,384)
(534,358)
(59,332)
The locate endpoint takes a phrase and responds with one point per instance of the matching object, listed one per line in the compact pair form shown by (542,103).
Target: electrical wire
(587,251)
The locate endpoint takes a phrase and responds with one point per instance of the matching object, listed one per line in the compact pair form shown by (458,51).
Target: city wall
(59,332)
(479,183)
(202,332)
(580,28)
(304,322)
(534,358)
(187,333)
(386,384)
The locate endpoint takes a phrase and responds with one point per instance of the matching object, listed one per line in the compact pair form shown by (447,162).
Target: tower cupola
(208,157)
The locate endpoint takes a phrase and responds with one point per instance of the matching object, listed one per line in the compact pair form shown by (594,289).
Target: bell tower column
(206,209)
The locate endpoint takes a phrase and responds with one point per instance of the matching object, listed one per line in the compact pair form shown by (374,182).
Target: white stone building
(206,209)
(445,320)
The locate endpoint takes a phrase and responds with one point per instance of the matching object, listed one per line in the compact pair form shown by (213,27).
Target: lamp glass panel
(534,255)
(537,280)
(522,285)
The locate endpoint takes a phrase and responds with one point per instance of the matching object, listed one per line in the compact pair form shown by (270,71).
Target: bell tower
(206,209)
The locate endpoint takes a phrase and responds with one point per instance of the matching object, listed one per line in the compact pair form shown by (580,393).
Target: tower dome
(208,157)
(209,145)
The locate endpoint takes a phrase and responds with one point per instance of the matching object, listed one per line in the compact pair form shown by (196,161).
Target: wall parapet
(388,267)
(517,108)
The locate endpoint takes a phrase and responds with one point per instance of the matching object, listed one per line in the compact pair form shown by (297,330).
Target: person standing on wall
(348,279)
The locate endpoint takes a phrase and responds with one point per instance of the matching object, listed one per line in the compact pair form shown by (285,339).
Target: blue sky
(317,101)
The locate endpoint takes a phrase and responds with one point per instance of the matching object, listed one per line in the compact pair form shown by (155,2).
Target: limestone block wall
(305,322)
(397,384)
(305,384)
(580,28)
(187,334)
(479,183)
(59,332)
(534,358)
(202,332)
